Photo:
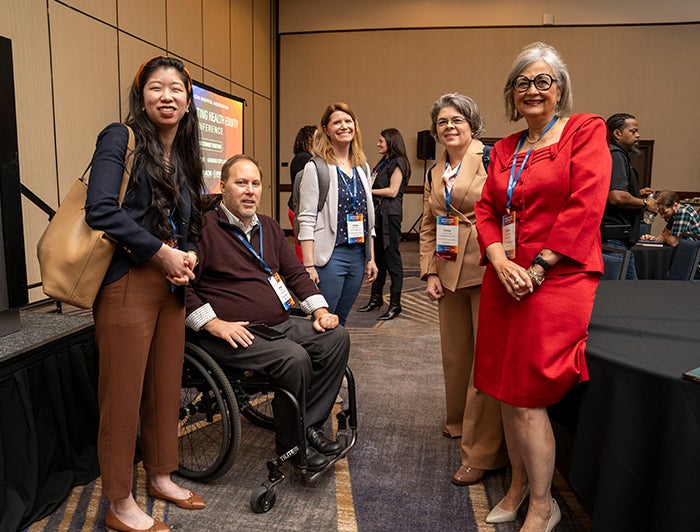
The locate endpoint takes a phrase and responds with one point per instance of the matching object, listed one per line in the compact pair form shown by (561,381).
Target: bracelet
(309,266)
(536,278)
(644,200)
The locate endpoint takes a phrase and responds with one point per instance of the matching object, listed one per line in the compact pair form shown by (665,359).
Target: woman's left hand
(370,270)
(514,278)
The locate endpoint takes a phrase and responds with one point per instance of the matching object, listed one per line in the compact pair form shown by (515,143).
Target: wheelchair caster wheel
(342,439)
(262,500)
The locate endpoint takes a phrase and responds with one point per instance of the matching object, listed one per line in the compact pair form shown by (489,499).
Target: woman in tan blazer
(449,261)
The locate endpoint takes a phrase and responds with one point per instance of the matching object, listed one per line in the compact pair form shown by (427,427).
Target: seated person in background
(682,220)
(245,265)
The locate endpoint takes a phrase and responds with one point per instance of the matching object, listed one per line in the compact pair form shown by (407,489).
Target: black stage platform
(48,415)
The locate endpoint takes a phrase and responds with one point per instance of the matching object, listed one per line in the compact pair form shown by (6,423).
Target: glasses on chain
(542,82)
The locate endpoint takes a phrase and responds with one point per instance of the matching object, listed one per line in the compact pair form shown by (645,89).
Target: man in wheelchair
(245,267)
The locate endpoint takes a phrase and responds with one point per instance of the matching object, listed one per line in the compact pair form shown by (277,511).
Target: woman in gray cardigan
(336,241)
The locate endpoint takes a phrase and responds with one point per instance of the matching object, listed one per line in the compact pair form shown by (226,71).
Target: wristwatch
(540,261)
(645,203)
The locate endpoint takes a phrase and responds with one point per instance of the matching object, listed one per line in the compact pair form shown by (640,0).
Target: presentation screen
(220,130)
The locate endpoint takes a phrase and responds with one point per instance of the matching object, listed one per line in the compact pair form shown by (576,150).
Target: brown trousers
(474,415)
(139,325)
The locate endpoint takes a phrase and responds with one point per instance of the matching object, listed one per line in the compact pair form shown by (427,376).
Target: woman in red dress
(538,218)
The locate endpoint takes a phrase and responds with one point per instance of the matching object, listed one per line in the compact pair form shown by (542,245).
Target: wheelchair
(209,431)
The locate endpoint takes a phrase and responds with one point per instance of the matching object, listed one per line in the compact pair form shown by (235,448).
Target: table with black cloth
(48,415)
(652,262)
(636,458)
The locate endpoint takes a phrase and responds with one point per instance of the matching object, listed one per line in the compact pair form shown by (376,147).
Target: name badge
(447,238)
(281,290)
(508,234)
(356,228)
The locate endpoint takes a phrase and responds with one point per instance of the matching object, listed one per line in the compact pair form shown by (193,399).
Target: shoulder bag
(74,257)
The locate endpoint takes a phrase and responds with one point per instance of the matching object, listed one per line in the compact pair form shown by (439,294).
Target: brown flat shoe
(446,434)
(467,475)
(111,521)
(193,502)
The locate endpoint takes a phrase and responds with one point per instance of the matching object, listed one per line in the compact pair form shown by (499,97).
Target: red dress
(529,353)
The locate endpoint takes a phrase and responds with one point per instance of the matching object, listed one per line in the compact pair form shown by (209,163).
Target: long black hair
(395,147)
(185,160)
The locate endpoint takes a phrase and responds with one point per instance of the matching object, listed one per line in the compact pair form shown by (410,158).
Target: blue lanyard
(448,190)
(174,228)
(352,193)
(513,179)
(259,256)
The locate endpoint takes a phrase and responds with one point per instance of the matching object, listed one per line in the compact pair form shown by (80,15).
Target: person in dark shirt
(302,155)
(246,273)
(626,202)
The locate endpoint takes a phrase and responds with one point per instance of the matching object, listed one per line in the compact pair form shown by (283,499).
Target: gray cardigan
(321,226)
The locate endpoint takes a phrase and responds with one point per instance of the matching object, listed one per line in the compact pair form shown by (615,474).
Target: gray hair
(532,53)
(466,107)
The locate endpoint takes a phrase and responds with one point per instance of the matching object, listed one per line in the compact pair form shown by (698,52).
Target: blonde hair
(322,142)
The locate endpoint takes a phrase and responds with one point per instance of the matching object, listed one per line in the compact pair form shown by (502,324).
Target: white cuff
(200,317)
(312,303)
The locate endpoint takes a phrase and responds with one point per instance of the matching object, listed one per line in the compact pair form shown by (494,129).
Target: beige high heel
(499,515)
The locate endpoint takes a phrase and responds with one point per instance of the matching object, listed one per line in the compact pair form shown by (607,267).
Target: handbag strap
(128,163)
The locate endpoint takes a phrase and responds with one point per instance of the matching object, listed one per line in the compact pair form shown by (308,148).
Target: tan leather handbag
(73,257)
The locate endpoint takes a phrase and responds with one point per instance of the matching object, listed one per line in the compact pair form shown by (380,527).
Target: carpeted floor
(397,478)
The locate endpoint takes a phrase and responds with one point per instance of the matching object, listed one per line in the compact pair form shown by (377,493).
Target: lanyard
(514,178)
(259,256)
(448,190)
(352,193)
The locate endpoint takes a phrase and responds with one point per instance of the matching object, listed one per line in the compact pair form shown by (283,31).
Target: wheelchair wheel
(209,430)
(256,406)
(262,500)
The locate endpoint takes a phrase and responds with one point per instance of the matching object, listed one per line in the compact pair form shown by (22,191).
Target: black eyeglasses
(542,82)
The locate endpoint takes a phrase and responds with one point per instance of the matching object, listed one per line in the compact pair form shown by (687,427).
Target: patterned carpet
(397,478)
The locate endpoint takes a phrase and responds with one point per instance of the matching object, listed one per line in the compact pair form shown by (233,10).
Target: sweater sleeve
(308,202)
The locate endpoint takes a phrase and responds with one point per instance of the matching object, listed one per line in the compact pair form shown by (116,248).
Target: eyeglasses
(456,121)
(542,82)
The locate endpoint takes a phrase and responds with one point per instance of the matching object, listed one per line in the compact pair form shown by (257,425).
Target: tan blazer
(465,271)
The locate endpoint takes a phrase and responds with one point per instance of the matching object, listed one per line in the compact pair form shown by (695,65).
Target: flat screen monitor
(220,129)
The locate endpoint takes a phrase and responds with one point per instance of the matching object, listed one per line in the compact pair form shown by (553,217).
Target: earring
(188,110)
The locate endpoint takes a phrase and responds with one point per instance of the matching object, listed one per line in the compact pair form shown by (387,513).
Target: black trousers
(309,364)
(387,255)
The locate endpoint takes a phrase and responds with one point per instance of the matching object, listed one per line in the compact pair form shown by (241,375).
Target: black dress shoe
(374,302)
(315,461)
(318,441)
(391,313)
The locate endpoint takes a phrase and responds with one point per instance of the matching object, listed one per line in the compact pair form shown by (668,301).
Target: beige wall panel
(132,53)
(242,42)
(262,48)
(145,20)
(424,64)
(262,151)
(331,15)
(248,118)
(106,11)
(185,29)
(217,82)
(86,99)
(26,25)
(216,16)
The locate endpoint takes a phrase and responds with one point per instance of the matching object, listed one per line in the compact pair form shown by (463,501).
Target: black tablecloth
(636,459)
(48,423)
(652,262)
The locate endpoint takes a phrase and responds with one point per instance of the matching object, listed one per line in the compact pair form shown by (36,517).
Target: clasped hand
(177,265)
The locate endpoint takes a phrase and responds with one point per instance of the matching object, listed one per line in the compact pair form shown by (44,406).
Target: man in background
(626,202)
(681,220)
